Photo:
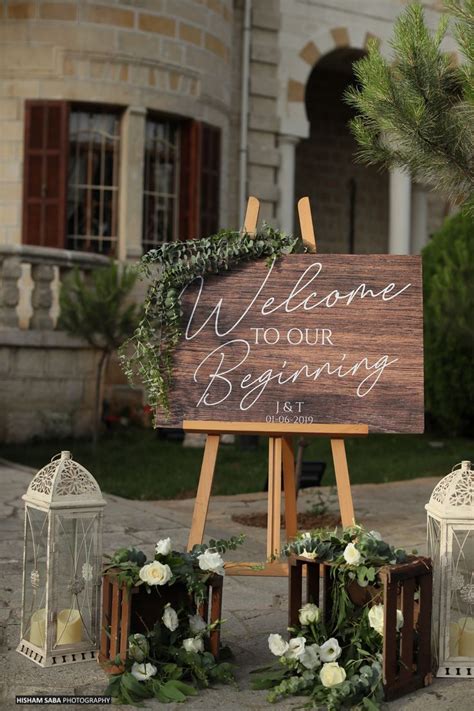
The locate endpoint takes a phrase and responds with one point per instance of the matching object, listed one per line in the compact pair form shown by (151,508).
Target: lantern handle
(65,454)
(464,465)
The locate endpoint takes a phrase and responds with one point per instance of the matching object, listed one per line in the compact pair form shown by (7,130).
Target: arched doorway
(349,199)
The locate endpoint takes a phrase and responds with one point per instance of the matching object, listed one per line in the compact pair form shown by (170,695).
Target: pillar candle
(466,637)
(69,629)
(38,627)
(453,639)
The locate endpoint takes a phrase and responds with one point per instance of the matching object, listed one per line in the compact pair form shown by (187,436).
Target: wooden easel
(280,451)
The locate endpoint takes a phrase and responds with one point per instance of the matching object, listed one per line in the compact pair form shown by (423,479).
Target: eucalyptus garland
(148,354)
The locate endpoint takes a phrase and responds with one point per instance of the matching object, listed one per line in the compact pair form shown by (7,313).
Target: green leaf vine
(148,354)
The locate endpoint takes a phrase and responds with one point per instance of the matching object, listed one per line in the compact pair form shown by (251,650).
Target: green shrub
(448,269)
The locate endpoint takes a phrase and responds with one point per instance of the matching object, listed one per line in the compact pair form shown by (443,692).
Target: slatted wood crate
(129,611)
(407,663)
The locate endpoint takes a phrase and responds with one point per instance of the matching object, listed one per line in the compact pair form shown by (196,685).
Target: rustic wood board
(316,339)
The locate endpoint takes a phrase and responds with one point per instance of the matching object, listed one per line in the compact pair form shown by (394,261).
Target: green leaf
(135,687)
(172,692)
(185,688)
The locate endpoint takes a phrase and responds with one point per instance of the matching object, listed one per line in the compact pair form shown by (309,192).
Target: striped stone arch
(300,66)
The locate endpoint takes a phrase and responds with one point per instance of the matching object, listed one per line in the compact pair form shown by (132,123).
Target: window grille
(161,183)
(93,182)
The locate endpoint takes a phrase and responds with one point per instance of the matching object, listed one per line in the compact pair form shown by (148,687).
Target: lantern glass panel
(461,594)
(76,575)
(35,575)
(434,543)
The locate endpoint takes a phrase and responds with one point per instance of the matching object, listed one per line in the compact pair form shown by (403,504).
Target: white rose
(309,613)
(277,645)
(351,554)
(311,657)
(308,554)
(193,644)
(170,618)
(376,535)
(155,573)
(400,620)
(142,672)
(296,647)
(332,674)
(330,650)
(211,561)
(163,547)
(196,623)
(376,616)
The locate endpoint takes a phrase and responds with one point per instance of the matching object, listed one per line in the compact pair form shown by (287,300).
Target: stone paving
(253,607)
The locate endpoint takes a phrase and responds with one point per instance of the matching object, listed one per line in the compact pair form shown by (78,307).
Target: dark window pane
(53,127)
(51,225)
(37,119)
(52,176)
(34,222)
(35,174)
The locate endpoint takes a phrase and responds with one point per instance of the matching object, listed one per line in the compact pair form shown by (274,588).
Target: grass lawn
(137,465)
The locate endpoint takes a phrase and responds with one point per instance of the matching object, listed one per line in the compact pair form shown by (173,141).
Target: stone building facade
(125,123)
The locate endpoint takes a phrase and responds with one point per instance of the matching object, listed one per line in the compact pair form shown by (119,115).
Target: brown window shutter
(44,173)
(189,180)
(209,179)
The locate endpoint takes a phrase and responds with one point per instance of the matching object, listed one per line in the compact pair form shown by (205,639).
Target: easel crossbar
(334,431)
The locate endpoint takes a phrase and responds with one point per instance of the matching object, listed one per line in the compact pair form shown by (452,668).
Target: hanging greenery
(148,354)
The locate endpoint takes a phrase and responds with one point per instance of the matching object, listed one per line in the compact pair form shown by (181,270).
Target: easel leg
(289,484)
(274,497)
(343,482)
(201,504)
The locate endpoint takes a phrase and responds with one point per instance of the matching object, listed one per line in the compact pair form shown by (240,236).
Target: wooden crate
(407,663)
(129,611)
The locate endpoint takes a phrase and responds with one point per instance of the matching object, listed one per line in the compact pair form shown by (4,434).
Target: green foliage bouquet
(148,354)
(170,661)
(335,659)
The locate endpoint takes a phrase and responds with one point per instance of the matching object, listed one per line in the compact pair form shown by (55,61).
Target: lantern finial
(453,496)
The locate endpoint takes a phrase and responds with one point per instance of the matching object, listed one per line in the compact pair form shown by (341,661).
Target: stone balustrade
(47,378)
(29,283)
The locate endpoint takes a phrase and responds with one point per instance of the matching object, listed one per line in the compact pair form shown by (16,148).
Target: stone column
(399,212)
(132,158)
(42,296)
(286,182)
(10,272)
(419,219)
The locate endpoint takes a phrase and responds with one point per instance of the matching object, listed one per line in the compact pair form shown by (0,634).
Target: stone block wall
(163,55)
(47,385)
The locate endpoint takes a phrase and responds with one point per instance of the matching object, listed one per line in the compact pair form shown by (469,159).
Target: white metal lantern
(451,547)
(62,563)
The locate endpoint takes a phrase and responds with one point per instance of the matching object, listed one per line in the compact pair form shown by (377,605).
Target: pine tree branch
(418,111)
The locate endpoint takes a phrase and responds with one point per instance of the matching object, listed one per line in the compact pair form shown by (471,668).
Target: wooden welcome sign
(312,339)
(316,345)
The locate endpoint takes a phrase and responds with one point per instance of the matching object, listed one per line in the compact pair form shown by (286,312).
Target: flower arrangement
(336,658)
(355,556)
(170,661)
